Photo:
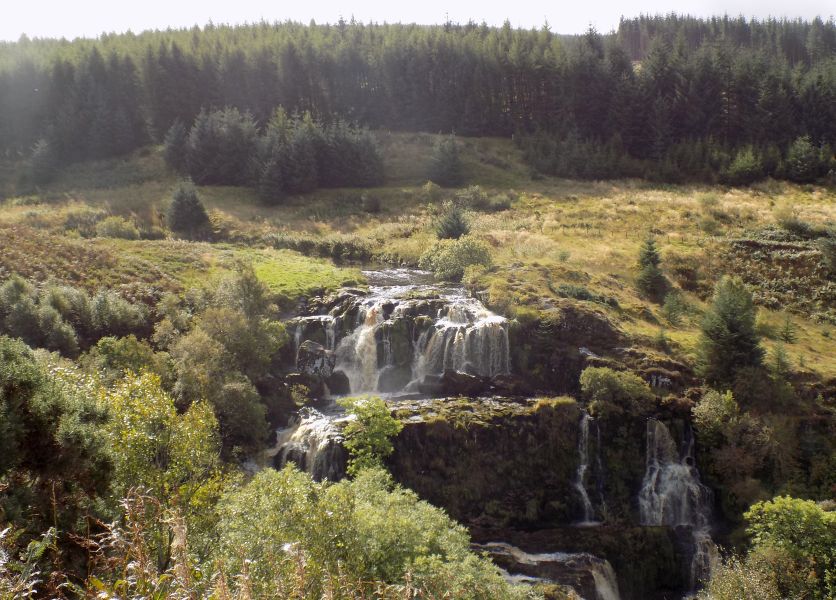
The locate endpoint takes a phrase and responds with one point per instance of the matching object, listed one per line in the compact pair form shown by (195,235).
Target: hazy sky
(89,18)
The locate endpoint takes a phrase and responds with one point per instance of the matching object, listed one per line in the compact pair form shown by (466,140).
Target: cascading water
(313,442)
(466,337)
(583,465)
(403,332)
(581,571)
(672,495)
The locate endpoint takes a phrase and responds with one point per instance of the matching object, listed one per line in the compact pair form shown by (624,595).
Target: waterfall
(672,495)
(583,465)
(404,333)
(313,442)
(581,571)
(466,337)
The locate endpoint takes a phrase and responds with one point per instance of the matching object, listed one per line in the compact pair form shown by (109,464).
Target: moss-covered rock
(493,462)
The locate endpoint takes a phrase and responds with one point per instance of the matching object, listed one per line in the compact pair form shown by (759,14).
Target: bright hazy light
(89,18)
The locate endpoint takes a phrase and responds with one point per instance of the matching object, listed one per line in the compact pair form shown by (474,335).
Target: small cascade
(672,495)
(466,337)
(583,465)
(404,332)
(313,442)
(591,577)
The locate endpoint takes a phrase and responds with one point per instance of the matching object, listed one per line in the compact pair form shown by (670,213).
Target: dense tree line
(292,155)
(692,95)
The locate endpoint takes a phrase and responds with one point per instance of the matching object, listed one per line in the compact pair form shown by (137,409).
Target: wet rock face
(646,561)
(313,359)
(399,336)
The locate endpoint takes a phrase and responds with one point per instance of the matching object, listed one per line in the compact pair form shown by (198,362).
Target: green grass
(557,234)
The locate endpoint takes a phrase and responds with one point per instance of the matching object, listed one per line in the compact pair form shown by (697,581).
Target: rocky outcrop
(313,359)
(551,351)
(646,560)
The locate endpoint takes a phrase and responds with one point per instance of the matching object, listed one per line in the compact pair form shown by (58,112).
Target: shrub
(431,192)
(370,203)
(448,259)
(84,220)
(614,393)
(746,168)
(473,198)
(367,437)
(186,214)
(43,163)
(803,163)
(674,307)
(445,164)
(283,527)
(117,227)
(452,225)
(715,414)
(804,536)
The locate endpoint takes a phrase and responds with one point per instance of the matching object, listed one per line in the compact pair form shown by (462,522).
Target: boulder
(338,383)
(456,383)
(313,359)
(511,385)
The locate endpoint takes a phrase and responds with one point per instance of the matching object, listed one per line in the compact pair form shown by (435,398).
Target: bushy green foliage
(186,214)
(746,168)
(449,259)
(220,148)
(804,162)
(728,340)
(612,394)
(51,444)
(169,454)
(367,436)
(117,227)
(367,529)
(445,163)
(452,225)
(736,579)
(715,414)
(800,538)
(112,357)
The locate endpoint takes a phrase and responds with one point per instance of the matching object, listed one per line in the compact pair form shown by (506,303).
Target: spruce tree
(186,214)
(728,340)
(650,281)
(445,163)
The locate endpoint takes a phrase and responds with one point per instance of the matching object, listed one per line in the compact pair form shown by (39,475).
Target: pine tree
(728,341)
(650,281)
(445,163)
(175,142)
(186,214)
(452,225)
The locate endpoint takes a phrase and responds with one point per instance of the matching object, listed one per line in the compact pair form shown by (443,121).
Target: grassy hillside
(550,239)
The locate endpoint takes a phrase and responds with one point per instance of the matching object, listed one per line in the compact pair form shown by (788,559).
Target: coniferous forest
(395,311)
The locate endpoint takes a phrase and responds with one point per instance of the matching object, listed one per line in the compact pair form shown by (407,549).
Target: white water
(583,466)
(312,440)
(461,335)
(606,583)
(673,495)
